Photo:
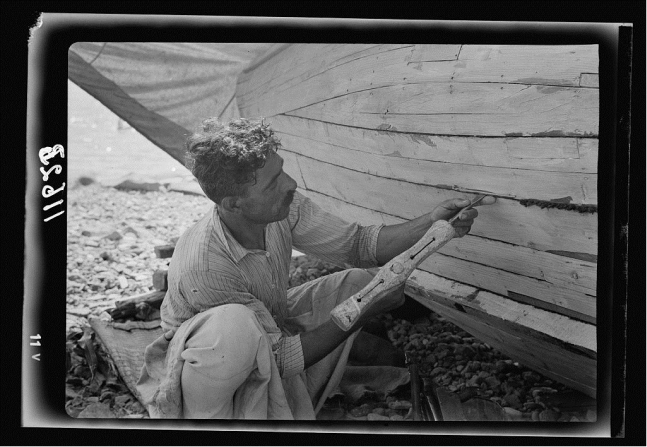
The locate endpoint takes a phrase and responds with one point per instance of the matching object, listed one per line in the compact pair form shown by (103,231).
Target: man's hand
(449,208)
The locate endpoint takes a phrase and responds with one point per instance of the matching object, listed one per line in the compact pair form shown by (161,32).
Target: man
(238,343)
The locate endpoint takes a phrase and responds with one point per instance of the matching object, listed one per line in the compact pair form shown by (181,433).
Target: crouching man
(238,343)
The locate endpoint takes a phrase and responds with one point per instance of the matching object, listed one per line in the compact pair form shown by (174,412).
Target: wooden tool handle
(392,275)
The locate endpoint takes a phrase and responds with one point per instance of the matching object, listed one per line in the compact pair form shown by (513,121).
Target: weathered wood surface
(553,344)
(383,133)
(307,74)
(465,109)
(553,282)
(501,181)
(569,155)
(533,227)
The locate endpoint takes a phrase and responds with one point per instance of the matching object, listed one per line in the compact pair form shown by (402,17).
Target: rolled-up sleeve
(330,238)
(204,290)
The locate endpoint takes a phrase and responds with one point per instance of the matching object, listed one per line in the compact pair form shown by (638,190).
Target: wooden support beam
(150,298)
(555,345)
(160,279)
(164,251)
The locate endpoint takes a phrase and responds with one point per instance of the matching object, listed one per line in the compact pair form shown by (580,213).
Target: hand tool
(397,270)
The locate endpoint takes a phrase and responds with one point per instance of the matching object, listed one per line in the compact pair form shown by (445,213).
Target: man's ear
(230,204)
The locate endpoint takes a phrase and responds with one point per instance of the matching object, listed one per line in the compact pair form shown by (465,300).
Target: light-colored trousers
(228,368)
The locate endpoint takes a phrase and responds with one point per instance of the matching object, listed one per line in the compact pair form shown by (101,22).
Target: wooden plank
(511,183)
(389,65)
(525,64)
(150,297)
(469,109)
(296,66)
(590,80)
(545,325)
(555,345)
(293,63)
(541,154)
(548,296)
(507,220)
(434,53)
(561,271)
(499,267)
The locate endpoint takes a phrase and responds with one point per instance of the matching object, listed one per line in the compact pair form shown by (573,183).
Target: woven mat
(126,343)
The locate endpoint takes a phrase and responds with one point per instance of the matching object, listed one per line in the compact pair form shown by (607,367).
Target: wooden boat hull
(383,133)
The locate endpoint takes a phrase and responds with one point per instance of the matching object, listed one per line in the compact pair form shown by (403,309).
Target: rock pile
(111,239)
(458,361)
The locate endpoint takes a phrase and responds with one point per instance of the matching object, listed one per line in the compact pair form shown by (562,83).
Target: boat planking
(382,133)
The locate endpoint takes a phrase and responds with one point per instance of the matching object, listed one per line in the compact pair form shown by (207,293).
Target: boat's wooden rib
(512,183)
(569,155)
(555,345)
(309,73)
(470,109)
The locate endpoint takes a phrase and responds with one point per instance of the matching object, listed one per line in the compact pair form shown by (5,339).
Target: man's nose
(291,183)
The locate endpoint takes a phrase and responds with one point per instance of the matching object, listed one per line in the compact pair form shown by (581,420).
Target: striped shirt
(210,268)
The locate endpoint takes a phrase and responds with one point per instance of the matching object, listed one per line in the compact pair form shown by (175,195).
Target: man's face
(269,199)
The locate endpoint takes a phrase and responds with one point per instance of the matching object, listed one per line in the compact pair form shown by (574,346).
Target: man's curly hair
(224,156)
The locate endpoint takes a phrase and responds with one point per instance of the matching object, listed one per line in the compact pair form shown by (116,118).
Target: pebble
(377,417)
(514,414)
(400,405)
(548,416)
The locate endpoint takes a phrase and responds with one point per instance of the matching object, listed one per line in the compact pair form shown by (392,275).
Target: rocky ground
(111,239)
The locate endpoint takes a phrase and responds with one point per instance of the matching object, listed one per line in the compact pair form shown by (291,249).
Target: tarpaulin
(163,89)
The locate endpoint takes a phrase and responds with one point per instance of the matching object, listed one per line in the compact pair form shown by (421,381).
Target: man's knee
(224,341)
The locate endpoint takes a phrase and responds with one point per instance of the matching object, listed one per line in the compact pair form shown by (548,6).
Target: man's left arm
(394,239)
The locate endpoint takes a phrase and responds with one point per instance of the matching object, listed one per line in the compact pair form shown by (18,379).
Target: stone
(512,400)
(530,376)
(362,410)
(78,311)
(164,251)
(400,405)
(114,236)
(492,382)
(513,413)
(376,417)
(465,351)
(98,410)
(548,416)
(106,256)
(437,371)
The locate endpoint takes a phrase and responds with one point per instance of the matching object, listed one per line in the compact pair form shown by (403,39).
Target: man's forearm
(394,239)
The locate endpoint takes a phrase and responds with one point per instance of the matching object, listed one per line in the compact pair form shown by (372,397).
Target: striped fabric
(210,268)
